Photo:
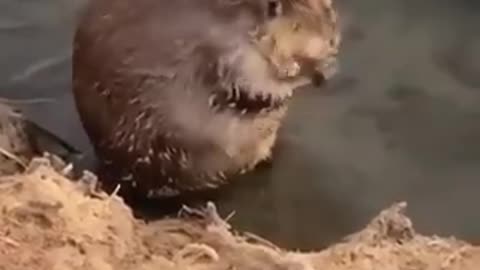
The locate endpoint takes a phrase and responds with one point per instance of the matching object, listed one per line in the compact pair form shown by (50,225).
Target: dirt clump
(14,145)
(50,222)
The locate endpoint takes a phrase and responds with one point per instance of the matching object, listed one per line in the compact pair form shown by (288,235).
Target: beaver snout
(328,68)
(320,71)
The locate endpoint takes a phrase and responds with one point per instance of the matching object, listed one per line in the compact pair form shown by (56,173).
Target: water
(401,122)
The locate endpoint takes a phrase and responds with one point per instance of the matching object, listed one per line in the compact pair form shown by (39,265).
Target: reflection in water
(399,123)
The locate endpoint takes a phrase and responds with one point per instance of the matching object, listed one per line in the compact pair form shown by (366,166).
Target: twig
(209,213)
(197,251)
(10,241)
(212,215)
(230,216)
(115,192)
(67,169)
(13,157)
(249,237)
(454,257)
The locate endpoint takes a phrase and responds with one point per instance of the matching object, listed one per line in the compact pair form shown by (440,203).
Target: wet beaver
(178,96)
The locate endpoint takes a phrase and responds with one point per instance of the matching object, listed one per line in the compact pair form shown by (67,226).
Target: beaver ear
(274,8)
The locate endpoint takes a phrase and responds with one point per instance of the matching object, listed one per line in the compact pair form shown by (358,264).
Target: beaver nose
(324,70)
(318,79)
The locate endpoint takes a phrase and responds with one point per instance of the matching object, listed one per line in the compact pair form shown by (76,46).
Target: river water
(400,122)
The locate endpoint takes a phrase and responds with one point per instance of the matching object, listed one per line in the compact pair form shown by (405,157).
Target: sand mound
(48,221)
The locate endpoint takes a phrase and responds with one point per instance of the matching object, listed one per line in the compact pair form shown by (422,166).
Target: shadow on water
(399,123)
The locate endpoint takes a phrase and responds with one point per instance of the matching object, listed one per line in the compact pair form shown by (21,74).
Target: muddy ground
(49,221)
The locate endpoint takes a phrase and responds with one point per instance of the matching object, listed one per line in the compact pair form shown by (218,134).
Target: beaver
(180,96)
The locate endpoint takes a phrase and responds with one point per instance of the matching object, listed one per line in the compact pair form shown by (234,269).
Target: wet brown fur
(173,105)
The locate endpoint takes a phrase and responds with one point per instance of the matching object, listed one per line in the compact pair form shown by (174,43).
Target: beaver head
(290,43)
(301,38)
(178,95)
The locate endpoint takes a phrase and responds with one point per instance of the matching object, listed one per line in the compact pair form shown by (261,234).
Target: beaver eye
(274,8)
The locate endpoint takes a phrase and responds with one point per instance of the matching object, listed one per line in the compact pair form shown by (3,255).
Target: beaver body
(178,96)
